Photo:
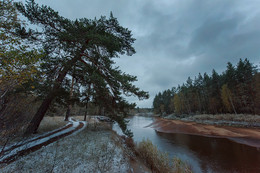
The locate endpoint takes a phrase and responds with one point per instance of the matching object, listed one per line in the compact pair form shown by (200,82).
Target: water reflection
(203,153)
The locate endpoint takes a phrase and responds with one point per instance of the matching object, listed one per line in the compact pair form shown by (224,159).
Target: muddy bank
(247,136)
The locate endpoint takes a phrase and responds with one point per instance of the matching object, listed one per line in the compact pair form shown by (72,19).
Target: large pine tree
(70,44)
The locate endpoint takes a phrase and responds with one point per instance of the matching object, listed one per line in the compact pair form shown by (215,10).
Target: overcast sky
(176,39)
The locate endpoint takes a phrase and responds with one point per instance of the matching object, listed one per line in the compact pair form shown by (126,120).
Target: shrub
(15,116)
(159,161)
(180,167)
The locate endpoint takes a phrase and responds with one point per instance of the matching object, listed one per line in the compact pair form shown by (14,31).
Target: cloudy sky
(176,39)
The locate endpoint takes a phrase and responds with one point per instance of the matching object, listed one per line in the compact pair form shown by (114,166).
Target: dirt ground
(248,136)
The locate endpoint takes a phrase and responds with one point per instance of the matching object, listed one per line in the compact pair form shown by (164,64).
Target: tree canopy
(82,49)
(18,61)
(234,91)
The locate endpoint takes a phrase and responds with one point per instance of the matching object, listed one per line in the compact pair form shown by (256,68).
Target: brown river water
(204,154)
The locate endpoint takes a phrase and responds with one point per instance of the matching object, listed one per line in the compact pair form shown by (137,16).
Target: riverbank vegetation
(237,120)
(159,161)
(235,91)
(97,148)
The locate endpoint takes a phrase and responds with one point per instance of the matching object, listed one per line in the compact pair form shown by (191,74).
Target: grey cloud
(177,39)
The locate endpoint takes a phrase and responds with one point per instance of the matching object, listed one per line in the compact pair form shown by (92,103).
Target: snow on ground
(88,151)
(31,143)
(27,140)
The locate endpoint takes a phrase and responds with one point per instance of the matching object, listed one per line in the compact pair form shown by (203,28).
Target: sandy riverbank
(247,136)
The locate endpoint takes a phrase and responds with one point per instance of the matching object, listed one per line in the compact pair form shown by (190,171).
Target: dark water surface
(204,154)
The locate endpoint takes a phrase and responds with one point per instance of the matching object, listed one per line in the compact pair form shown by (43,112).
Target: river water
(204,154)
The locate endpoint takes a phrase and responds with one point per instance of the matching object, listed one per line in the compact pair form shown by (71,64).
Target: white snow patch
(32,138)
(88,151)
(29,143)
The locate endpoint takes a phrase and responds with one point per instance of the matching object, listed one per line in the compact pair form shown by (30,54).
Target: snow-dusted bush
(159,161)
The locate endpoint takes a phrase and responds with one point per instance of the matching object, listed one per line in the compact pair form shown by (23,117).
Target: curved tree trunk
(35,122)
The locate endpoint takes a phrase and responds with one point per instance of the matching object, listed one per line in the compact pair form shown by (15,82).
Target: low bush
(15,117)
(159,161)
(181,167)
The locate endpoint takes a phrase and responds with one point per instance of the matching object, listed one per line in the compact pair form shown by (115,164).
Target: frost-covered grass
(15,133)
(227,117)
(241,120)
(91,150)
(51,123)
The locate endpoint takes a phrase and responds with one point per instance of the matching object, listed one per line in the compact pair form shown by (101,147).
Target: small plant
(180,167)
(129,142)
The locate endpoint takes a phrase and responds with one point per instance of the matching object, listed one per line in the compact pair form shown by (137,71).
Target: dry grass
(14,132)
(159,161)
(91,150)
(51,123)
(239,120)
(227,117)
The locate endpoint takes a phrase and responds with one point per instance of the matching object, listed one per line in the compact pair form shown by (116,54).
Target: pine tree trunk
(231,101)
(35,122)
(199,102)
(99,110)
(85,116)
(103,111)
(88,93)
(68,113)
(69,105)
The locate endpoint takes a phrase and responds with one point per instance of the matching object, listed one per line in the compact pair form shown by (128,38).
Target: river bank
(234,120)
(96,148)
(203,154)
(247,136)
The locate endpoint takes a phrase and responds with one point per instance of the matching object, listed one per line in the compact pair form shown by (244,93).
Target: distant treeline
(236,90)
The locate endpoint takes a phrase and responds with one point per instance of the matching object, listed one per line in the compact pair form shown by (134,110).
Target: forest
(235,91)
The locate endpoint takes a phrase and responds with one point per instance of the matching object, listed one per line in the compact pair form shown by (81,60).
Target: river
(204,154)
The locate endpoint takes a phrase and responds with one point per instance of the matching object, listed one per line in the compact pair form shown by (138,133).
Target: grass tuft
(159,161)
